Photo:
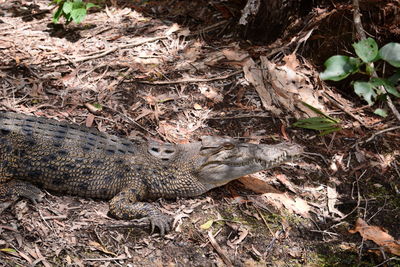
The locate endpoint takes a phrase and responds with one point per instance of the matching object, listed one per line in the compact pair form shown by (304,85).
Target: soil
(159,70)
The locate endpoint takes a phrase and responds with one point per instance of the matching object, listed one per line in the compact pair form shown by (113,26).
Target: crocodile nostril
(155,149)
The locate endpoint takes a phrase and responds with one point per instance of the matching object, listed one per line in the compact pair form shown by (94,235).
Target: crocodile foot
(162,222)
(14,189)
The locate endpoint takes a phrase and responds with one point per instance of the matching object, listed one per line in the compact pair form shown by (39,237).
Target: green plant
(325,124)
(74,10)
(340,67)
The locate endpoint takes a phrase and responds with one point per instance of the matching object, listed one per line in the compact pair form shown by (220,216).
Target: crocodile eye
(228,146)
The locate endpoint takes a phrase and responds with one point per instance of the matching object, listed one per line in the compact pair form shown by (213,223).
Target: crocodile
(37,152)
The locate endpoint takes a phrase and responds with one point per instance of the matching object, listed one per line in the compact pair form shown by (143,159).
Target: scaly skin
(76,160)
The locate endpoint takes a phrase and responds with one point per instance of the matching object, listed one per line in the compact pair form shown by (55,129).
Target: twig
(391,105)
(315,154)
(378,133)
(386,261)
(193,80)
(131,120)
(44,220)
(241,116)
(139,223)
(339,105)
(357,20)
(358,199)
(219,250)
(107,259)
(325,232)
(120,79)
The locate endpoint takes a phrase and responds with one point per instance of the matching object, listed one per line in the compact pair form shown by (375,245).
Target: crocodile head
(216,161)
(222,160)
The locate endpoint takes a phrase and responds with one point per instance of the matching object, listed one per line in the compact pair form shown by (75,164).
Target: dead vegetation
(174,72)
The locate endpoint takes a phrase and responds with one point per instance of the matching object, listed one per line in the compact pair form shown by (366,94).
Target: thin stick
(380,132)
(193,80)
(219,250)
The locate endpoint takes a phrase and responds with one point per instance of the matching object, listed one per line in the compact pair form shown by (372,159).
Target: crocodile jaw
(243,159)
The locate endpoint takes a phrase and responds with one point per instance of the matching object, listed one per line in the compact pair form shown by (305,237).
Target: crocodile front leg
(14,189)
(126,205)
(10,191)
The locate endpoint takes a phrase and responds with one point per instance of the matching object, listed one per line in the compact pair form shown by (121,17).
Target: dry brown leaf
(26,257)
(193,52)
(174,27)
(243,232)
(332,195)
(284,180)
(289,86)
(149,61)
(143,113)
(377,234)
(95,109)
(257,185)
(41,258)
(101,248)
(238,57)
(210,93)
(197,106)
(89,120)
(293,205)
(254,76)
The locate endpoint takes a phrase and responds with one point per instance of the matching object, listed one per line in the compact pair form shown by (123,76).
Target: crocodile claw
(162,222)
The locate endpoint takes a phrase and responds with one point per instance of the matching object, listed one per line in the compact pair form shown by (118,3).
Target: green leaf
(323,124)
(320,112)
(56,2)
(89,5)
(7,250)
(67,7)
(392,90)
(339,67)
(57,14)
(330,131)
(78,4)
(387,84)
(395,78)
(366,49)
(98,106)
(207,225)
(315,123)
(381,112)
(391,54)
(78,15)
(366,91)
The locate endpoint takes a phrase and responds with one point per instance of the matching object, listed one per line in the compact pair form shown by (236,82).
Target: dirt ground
(174,72)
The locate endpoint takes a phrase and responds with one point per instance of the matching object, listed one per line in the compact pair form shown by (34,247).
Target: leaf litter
(134,75)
